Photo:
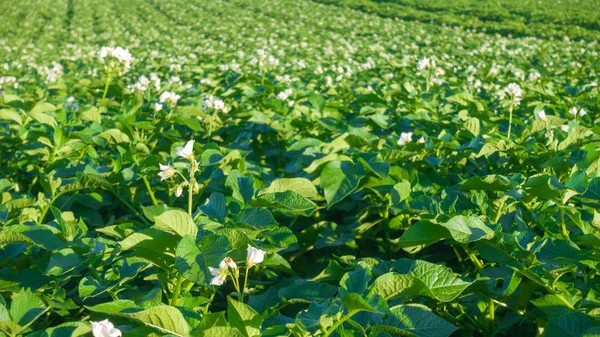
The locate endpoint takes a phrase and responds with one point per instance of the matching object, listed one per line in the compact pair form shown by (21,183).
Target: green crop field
(328,168)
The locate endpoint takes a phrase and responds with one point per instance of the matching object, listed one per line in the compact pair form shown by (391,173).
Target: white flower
(166,171)
(105,329)
(157,107)
(565,128)
(169,97)
(179,190)
(405,137)
(421,140)
(228,262)
(573,111)
(542,115)
(255,256)
(425,62)
(501,95)
(582,113)
(219,276)
(291,103)
(186,151)
(282,96)
(218,104)
(123,56)
(209,102)
(514,90)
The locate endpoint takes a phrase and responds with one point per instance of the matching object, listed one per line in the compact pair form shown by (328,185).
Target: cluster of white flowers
(9,80)
(141,85)
(425,63)
(514,91)
(170,98)
(116,57)
(283,95)
(105,329)
(254,257)
(574,112)
(52,73)
(211,102)
(156,80)
(166,171)
(406,137)
(175,80)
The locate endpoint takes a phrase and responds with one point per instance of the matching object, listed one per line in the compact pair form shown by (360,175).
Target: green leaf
(441,283)
(220,331)
(551,306)
(63,261)
(392,285)
(149,238)
(243,187)
(302,186)
(11,115)
(493,147)
(190,262)
(339,179)
(573,324)
(317,101)
(176,222)
(70,329)
(465,229)
(422,234)
(216,207)
(287,200)
(417,320)
(492,182)
(400,192)
(113,307)
(244,318)
(354,282)
(257,218)
(355,302)
(163,318)
(25,307)
(308,291)
(42,107)
(114,136)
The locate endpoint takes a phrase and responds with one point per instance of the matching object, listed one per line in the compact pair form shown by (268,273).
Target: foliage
(351,175)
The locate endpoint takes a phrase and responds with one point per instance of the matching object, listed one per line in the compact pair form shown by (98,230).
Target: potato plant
(296,168)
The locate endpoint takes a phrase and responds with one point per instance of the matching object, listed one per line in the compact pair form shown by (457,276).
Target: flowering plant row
(298,169)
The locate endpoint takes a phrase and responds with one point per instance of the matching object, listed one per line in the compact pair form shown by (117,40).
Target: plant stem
(475,261)
(108,77)
(492,309)
(563,227)
(499,211)
(245,283)
(190,192)
(340,322)
(177,290)
(509,120)
(180,278)
(146,182)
